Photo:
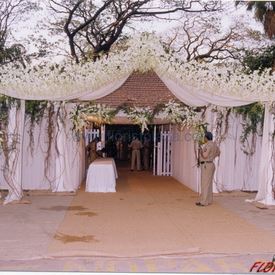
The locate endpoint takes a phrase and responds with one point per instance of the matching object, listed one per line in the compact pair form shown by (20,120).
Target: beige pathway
(153,216)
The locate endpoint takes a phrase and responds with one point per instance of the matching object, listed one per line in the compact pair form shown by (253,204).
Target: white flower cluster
(78,120)
(144,53)
(103,112)
(179,114)
(140,116)
(185,117)
(81,113)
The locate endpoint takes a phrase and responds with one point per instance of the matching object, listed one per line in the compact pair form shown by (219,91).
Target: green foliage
(259,61)
(13,53)
(253,116)
(4,110)
(35,110)
(6,103)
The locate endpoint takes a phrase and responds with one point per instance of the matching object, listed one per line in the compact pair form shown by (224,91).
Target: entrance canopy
(193,83)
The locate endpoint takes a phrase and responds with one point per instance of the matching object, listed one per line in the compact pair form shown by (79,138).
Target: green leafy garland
(253,117)
(222,122)
(5,105)
(8,142)
(35,112)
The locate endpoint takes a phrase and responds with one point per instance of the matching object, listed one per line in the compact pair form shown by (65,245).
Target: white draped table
(101,176)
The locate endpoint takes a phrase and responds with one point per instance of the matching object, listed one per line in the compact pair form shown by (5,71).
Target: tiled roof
(140,90)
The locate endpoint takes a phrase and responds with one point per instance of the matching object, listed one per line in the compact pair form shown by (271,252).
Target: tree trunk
(269,23)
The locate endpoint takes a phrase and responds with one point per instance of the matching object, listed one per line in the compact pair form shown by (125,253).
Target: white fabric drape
(69,165)
(35,176)
(85,93)
(184,165)
(36,160)
(194,97)
(236,170)
(14,172)
(104,91)
(266,177)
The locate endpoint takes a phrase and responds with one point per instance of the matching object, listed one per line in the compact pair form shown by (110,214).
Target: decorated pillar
(266,187)
(13,154)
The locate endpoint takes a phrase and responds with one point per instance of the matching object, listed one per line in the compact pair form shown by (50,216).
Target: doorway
(118,137)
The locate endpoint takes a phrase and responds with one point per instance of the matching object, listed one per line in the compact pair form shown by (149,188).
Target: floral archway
(223,85)
(195,84)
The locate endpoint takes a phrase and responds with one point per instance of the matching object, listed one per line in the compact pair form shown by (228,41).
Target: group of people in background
(138,151)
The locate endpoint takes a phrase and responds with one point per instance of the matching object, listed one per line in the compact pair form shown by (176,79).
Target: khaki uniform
(136,146)
(210,152)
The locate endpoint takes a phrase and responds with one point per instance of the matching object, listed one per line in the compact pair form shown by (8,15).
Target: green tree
(265,13)
(260,60)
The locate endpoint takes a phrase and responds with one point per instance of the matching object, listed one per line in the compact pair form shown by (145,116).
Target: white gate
(91,134)
(162,160)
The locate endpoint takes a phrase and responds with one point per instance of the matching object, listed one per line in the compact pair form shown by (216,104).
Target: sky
(31,25)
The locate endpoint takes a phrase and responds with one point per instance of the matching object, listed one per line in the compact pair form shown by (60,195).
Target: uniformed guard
(207,155)
(135,146)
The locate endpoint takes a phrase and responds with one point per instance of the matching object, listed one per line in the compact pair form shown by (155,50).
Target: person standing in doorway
(207,154)
(136,147)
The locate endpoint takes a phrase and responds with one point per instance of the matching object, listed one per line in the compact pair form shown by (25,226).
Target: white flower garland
(81,113)
(140,116)
(179,114)
(174,112)
(185,117)
(144,53)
